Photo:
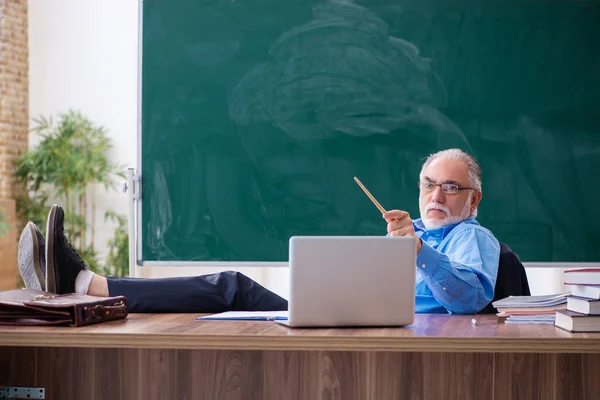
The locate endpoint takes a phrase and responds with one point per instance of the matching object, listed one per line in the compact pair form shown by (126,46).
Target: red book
(583,276)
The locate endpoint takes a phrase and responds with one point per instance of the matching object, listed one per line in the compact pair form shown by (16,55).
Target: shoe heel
(50,271)
(28,254)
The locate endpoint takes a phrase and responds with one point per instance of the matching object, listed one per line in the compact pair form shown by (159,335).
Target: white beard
(449,220)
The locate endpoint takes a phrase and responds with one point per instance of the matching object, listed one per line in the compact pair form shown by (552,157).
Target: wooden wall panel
(458,376)
(289,374)
(5,360)
(158,369)
(17,366)
(395,376)
(574,379)
(130,374)
(116,374)
(66,372)
(524,376)
(338,376)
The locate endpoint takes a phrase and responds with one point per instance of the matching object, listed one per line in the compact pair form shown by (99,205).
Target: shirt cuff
(427,260)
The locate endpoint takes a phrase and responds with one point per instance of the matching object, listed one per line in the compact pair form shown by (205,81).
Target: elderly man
(457,259)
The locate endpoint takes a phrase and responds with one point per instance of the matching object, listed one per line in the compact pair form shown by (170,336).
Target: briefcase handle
(105,312)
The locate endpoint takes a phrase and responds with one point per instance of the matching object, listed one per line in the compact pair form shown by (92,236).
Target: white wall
(83,55)
(546,280)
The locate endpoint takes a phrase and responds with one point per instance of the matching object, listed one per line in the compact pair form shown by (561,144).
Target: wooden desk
(171,356)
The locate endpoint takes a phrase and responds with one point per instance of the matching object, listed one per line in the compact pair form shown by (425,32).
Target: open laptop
(351,281)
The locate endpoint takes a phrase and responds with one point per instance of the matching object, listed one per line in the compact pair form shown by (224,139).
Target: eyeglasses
(448,188)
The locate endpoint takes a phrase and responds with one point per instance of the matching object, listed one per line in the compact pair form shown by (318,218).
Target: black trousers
(213,293)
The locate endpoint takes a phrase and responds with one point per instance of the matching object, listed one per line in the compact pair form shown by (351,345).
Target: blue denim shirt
(456,268)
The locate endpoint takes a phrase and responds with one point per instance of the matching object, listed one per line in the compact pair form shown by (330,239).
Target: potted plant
(68,165)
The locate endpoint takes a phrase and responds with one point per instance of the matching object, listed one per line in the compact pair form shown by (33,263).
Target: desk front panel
(132,374)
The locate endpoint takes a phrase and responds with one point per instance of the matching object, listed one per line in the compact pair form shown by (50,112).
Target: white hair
(458,155)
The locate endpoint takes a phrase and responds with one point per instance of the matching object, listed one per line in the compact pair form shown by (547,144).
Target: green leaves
(117,261)
(71,155)
(4,225)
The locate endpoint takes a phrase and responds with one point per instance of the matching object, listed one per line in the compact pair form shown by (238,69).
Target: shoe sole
(29,259)
(50,271)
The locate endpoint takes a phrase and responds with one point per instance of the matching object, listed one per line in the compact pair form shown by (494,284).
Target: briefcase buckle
(43,296)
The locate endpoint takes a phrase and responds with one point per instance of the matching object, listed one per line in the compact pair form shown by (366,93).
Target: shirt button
(422,265)
(443,288)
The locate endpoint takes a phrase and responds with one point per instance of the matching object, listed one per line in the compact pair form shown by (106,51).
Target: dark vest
(511,280)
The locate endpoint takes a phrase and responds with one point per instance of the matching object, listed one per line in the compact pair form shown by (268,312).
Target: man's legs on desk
(66,272)
(223,291)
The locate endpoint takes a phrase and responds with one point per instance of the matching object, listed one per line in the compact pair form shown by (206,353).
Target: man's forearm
(457,287)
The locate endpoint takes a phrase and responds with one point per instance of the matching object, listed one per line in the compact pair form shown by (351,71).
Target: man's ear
(477,195)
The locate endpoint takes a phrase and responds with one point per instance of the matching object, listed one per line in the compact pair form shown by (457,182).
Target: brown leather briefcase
(35,307)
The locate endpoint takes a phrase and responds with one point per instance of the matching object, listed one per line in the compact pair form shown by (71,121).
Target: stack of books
(530,309)
(583,305)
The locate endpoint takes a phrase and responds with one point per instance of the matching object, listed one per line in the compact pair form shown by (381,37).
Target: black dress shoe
(63,264)
(32,263)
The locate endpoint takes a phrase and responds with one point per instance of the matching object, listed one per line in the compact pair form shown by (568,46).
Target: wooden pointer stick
(370,196)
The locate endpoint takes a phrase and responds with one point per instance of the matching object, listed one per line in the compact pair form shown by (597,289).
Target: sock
(83,280)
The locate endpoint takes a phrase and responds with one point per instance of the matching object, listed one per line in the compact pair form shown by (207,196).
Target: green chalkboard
(256,115)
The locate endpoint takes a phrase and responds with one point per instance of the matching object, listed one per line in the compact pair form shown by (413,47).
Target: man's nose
(438,195)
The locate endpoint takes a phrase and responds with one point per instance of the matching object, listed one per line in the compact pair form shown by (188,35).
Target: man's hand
(400,224)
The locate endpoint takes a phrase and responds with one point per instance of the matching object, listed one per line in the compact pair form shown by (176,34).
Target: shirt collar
(443,231)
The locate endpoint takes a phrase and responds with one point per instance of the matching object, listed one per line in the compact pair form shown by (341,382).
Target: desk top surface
(429,332)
